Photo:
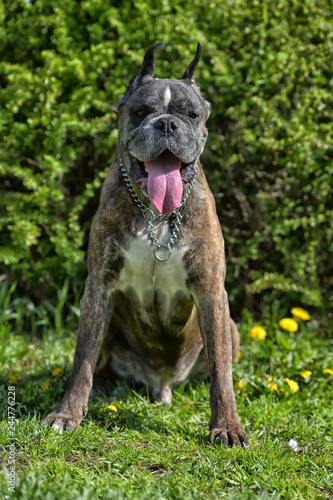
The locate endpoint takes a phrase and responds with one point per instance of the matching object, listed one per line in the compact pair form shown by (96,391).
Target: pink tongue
(165,186)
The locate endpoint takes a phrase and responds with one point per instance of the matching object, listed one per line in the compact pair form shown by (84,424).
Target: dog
(154,304)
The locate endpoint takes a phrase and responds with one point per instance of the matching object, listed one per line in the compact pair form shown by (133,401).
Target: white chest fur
(143,273)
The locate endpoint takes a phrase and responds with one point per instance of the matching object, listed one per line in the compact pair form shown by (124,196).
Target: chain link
(150,217)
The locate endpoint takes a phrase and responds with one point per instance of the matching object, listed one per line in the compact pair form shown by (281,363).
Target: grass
(145,450)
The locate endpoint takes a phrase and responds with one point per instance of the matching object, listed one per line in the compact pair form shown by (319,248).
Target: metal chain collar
(150,217)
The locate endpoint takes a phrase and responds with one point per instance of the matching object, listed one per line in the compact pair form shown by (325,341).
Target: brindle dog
(154,303)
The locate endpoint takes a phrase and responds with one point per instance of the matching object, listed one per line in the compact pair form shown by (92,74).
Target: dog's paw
(229,435)
(63,419)
(163,394)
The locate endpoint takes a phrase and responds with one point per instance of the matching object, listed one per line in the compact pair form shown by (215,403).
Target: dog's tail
(235,340)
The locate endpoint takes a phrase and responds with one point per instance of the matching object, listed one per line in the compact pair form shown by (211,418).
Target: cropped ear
(189,73)
(147,70)
(145,74)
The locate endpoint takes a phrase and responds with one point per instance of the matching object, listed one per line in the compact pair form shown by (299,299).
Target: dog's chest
(147,278)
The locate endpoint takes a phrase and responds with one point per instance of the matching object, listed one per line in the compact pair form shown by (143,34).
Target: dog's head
(162,131)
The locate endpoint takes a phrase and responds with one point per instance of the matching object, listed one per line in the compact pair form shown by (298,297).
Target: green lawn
(146,450)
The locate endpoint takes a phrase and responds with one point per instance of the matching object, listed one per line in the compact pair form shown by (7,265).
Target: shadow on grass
(39,394)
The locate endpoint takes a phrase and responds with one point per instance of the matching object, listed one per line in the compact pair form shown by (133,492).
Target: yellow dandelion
(289,324)
(300,313)
(240,385)
(273,387)
(293,386)
(328,371)
(112,408)
(284,360)
(56,371)
(258,332)
(306,374)
(45,387)
(14,378)
(239,355)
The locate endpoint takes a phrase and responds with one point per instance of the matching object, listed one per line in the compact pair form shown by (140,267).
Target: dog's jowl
(154,306)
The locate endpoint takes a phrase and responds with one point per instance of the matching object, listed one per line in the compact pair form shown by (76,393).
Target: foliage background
(266,68)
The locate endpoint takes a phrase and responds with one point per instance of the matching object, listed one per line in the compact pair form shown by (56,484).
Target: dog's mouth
(163,179)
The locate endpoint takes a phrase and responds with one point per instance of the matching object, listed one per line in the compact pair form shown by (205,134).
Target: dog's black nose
(166,124)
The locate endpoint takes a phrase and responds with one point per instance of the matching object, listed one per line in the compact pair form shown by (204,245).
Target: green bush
(266,68)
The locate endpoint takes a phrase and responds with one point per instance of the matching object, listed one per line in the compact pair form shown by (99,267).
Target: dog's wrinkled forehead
(159,95)
(149,90)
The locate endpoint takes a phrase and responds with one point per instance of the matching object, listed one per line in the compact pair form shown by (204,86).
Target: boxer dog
(154,303)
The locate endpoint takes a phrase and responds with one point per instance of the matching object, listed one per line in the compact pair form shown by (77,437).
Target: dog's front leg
(94,321)
(214,320)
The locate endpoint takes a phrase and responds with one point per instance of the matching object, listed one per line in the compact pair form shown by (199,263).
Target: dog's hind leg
(234,339)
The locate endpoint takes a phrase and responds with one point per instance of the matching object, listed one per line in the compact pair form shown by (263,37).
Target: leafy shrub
(267,70)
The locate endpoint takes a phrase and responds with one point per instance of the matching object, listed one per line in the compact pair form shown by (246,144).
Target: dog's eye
(140,112)
(193,114)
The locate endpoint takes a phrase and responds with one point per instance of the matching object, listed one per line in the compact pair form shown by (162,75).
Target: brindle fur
(148,320)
